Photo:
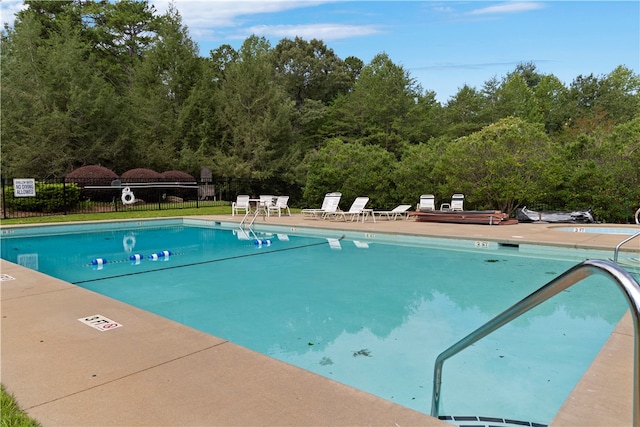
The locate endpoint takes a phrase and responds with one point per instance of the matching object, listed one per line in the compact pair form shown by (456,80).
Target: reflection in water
(531,360)
(371,315)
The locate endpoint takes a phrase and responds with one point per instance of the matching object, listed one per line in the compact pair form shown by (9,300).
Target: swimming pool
(372,312)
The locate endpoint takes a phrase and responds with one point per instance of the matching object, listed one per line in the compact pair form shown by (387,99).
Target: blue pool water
(368,311)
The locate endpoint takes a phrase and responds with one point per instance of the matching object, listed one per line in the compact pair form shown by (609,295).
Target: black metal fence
(28,197)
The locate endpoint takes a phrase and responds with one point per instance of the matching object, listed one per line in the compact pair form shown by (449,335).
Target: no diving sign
(100,322)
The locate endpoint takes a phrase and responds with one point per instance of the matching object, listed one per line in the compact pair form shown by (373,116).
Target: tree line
(120,85)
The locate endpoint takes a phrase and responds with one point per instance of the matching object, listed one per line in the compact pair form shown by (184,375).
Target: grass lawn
(213,210)
(12,415)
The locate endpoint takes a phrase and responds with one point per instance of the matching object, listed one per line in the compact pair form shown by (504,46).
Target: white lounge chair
(280,206)
(266,201)
(241,203)
(457,203)
(393,214)
(329,206)
(356,209)
(427,203)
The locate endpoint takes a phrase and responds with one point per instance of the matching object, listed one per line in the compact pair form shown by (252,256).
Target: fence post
(64,195)
(199,183)
(4,201)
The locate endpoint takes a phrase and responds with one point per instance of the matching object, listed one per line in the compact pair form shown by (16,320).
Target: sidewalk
(156,372)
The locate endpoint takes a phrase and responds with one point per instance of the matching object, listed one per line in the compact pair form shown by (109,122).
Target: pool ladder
(617,249)
(258,211)
(629,286)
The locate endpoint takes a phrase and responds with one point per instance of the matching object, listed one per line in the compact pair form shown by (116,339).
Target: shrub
(49,198)
(91,174)
(178,176)
(141,175)
(94,175)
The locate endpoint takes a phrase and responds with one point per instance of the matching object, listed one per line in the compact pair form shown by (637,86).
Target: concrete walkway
(155,372)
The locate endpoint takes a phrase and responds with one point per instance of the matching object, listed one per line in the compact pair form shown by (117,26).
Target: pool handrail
(617,249)
(627,284)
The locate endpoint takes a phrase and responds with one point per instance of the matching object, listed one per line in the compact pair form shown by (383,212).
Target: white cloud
(8,9)
(217,19)
(511,7)
(323,32)
(443,9)
(202,14)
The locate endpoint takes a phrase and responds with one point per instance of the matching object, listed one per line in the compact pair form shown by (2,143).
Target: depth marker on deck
(100,322)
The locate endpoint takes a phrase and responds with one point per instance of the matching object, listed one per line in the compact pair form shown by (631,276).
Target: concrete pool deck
(156,372)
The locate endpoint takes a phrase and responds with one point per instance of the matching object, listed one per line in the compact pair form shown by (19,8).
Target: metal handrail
(617,249)
(244,218)
(629,286)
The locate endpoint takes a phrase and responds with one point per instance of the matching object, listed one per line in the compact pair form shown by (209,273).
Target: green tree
(551,97)
(57,111)
(48,15)
(380,101)
(622,163)
(620,95)
(354,170)
(310,70)
(254,116)
(515,98)
(499,166)
(586,113)
(120,32)
(464,113)
(162,82)
(529,74)
(198,127)
(605,100)
(424,120)
(603,172)
(416,174)
(221,58)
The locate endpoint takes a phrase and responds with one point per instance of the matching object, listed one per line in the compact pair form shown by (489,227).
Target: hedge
(49,198)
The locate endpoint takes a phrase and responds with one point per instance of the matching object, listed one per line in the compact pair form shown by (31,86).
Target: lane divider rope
(201,262)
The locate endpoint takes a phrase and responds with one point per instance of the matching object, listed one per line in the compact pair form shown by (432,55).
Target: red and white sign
(100,322)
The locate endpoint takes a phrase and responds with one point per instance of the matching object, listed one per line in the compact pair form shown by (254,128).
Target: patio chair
(280,206)
(457,202)
(393,214)
(266,202)
(427,203)
(241,203)
(355,210)
(329,206)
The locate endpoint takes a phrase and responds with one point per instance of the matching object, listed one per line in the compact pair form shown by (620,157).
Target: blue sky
(442,44)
